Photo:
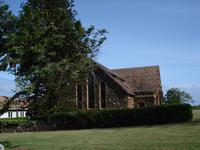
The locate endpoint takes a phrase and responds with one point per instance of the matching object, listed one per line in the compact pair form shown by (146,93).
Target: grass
(184,136)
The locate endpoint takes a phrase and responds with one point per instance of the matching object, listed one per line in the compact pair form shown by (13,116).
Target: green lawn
(185,136)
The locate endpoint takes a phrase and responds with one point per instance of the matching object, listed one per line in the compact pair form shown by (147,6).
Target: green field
(185,136)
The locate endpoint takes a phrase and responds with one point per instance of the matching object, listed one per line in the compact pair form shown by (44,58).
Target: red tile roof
(141,79)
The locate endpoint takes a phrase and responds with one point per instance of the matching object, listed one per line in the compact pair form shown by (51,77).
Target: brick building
(120,88)
(18,108)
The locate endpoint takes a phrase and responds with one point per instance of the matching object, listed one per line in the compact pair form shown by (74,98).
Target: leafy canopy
(47,49)
(176,96)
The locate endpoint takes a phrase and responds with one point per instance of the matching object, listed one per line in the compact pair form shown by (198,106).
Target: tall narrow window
(10,114)
(91,91)
(21,114)
(102,95)
(79,96)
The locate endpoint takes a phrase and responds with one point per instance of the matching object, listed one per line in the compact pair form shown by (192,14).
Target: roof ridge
(142,67)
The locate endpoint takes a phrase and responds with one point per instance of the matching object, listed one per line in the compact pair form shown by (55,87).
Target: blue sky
(143,33)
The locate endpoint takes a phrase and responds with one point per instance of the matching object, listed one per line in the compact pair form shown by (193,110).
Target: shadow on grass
(195,122)
(8,144)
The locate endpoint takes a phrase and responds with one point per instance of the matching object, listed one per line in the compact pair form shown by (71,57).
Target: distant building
(17,108)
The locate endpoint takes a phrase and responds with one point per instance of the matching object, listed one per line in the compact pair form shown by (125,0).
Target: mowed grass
(184,136)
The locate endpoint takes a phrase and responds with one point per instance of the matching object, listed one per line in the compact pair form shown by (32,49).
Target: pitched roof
(141,79)
(3,100)
(116,78)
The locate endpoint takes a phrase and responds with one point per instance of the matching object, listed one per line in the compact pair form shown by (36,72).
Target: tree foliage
(7,26)
(48,49)
(176,96)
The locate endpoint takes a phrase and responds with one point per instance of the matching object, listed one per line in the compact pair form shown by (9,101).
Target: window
(79,95)
(10,114)
(102,95)
(91,91)
(21,114)
(17,114)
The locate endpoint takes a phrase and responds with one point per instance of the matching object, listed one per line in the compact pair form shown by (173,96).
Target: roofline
(110,73)
(155,68)
(142,67)
(5,96)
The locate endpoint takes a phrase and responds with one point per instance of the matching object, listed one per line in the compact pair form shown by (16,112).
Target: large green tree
(48,49)
(7,26)
(176,96)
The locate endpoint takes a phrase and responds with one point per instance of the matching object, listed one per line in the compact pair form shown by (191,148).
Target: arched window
(102,95)
(79,95)
(91,91)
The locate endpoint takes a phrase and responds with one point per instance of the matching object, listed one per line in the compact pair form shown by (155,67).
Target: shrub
(124,117)
(17,121)
(100,119)
(13,122)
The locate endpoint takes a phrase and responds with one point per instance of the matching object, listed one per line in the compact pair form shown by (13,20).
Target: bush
(17,121)
(124,117)
(13,122)
(100,119)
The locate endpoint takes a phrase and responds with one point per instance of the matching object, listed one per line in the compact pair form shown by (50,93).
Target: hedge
(100,119)
(12,123)
(123,117)
(19,120)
